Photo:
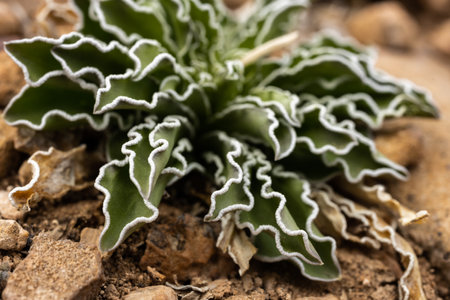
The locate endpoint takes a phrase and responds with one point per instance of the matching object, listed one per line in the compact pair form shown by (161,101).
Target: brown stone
(11,78)
(56,270)
(439,7)
(384,23)
(179,245)
(9,23)
(440,38)
(9,157)
(12,235)
(392,142)
(90,237)
(157,292)
(7,210)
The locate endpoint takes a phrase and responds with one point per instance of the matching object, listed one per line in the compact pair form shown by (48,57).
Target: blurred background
(402,25)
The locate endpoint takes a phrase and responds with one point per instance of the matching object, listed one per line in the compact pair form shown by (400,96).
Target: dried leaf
(377,195)
(410,284)
(53,174)
(236,243)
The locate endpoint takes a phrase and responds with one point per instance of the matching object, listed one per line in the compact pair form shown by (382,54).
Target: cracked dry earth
(52,250)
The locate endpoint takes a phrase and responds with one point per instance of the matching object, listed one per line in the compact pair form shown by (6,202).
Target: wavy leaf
(57,102)
(133,194)
(257,125)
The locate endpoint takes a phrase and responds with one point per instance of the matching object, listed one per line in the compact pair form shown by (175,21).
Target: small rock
(247,283)
(5,271)
(9,157)
(157,292)
(56,270)
(181,245)
(12,235)
(393,141)
(439,7)
(12,78)
(440,38)
(7,210)
(384,23)
(9,23)
(90,237)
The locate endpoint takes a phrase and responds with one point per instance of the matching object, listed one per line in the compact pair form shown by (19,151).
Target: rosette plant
(182,85)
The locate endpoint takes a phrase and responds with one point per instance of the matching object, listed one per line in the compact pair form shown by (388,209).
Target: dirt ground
(179,248)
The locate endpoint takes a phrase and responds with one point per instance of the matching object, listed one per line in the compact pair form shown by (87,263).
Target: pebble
(12,78)
(9,23)
(392,141)
(90,237)
(439,7)
(157,292)
(440,38)
(56,270)
(9,157)
(182,247)
(12,235)
(384,23)
(7,210)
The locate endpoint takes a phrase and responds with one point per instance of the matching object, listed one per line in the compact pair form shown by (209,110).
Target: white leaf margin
(123,124)
(35,171)
(169,94)
(323,119)
(274,124)
(159,146)
(297,259)
(349,208)
(243,177)
(183,145)
(51,41)
(391,168)
(238,149)
(352,61)
(348,101)
(290,117)
(119,33)
(99,45)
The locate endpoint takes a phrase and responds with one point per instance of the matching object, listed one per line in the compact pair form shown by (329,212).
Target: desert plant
(180,85)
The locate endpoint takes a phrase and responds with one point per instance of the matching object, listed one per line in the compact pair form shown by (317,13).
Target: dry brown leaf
(52,174)
(332,221)
(55,18)
(377,195)
(410,283)
(236,243)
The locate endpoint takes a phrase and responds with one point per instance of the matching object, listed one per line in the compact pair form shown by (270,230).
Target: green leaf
(272,19)
(88,56)
(57,102)
(258,125)
(130,21)
(133,187)
(321,133)
(89,23)
(282,102)
(337,72)
(35,58)
(364,160)
(230,168)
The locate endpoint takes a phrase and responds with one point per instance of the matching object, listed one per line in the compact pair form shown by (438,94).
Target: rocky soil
(51,252)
